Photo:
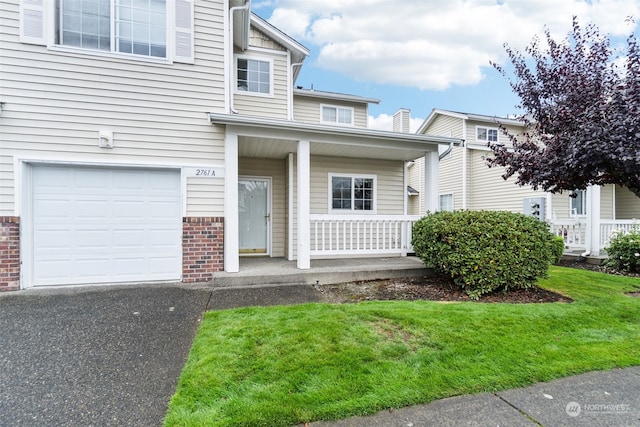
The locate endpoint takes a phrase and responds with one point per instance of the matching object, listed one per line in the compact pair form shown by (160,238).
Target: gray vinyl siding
(259,39)
(445,126)
(416,180)
(561,206)
(489,191)
(627,204)
(260,105)
(450,168)
(274,169)
(606,202)
(307,109)
(56,102)
(389,177)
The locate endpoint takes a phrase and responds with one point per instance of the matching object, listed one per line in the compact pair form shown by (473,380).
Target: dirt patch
(432,287)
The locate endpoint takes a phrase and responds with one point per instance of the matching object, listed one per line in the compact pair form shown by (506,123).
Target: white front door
(255,215)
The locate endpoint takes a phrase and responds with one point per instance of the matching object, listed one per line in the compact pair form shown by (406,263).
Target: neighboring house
(466,182)
(161,141)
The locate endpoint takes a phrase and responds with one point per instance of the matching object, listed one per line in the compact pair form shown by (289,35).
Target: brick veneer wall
(9,253)
(202,248)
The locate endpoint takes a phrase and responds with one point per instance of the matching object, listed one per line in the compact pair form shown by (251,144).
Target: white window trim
(452,201)
(38,26)
(487,129)
(254,58)
(337,107)
(51,23)
(352,211)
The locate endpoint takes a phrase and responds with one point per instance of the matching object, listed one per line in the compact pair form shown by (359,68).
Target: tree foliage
(581,111)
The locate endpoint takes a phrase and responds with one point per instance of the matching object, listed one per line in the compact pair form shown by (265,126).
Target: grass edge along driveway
(278,366)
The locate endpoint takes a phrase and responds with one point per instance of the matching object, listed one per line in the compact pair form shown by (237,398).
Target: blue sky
(425,54)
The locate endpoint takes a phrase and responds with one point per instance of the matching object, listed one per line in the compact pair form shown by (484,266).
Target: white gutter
(231,44)
(303,128)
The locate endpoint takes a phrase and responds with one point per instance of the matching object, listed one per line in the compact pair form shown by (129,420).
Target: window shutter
(32,22)
(183,32)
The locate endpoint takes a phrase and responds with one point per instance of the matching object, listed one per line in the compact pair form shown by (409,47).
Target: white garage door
(104,225)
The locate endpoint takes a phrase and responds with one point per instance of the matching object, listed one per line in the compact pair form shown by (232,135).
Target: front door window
(253,207)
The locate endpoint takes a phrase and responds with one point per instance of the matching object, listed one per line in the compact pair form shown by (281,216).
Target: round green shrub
(624,251)
(557,248)
(484,251)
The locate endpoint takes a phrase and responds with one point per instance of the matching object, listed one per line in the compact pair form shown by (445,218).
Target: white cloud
(385,122)
(431,44)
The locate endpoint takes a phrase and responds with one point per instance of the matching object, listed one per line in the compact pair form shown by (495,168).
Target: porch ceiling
(268,138)
(271,148)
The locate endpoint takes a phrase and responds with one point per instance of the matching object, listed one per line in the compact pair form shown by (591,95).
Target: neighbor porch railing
(361,234)
(608,226)
(573,232)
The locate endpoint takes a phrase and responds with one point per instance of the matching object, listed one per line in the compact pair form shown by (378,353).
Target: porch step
(276,271)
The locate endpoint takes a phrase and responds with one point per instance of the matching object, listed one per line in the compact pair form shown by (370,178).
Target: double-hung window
(254,75)
(136,27)
(332,114)
(446,202)
(352,193)
(579,203)
(487,135)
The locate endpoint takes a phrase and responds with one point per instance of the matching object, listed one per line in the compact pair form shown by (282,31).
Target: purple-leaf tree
(582,114)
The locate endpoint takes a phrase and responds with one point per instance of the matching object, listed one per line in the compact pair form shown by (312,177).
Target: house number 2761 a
(210,172)
(205,172)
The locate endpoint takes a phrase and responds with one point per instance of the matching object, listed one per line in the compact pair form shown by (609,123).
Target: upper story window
(484,134)
(254,75)
(332,114)
(352,193)
(136,27)
(142,30)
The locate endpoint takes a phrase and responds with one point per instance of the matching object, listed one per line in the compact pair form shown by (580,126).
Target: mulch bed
(441,288)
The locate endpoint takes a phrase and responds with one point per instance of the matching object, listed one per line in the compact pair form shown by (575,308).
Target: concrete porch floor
(269,271)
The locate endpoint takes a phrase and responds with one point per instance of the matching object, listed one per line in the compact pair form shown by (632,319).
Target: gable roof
(298,51)
(466,116)
(312,93)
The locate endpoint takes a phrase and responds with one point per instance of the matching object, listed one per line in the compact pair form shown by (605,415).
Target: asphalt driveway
(106,355)
(94,356)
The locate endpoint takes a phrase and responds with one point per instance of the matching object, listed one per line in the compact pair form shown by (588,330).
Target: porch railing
(573,232)
(361,234)
(609,227)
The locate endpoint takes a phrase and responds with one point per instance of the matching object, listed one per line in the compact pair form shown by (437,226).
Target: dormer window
(333,114)
(138,27)
(484,134)
(254,75)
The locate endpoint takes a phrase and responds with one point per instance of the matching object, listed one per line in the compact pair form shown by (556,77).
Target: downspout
(446,152)
(464,165)
(296,64)
(231,44)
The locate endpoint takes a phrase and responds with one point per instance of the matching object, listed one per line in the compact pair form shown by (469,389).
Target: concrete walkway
(112,356)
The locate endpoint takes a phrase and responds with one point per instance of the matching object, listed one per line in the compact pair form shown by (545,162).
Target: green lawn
(278,366)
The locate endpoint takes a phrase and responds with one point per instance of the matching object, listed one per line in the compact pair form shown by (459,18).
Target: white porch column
(431,164)
(593,220)
(231,220)
(304,205)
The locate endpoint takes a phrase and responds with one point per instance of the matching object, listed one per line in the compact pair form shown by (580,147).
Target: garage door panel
(106,225)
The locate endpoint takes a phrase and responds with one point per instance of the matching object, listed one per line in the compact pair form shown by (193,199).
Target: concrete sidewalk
(598,399)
